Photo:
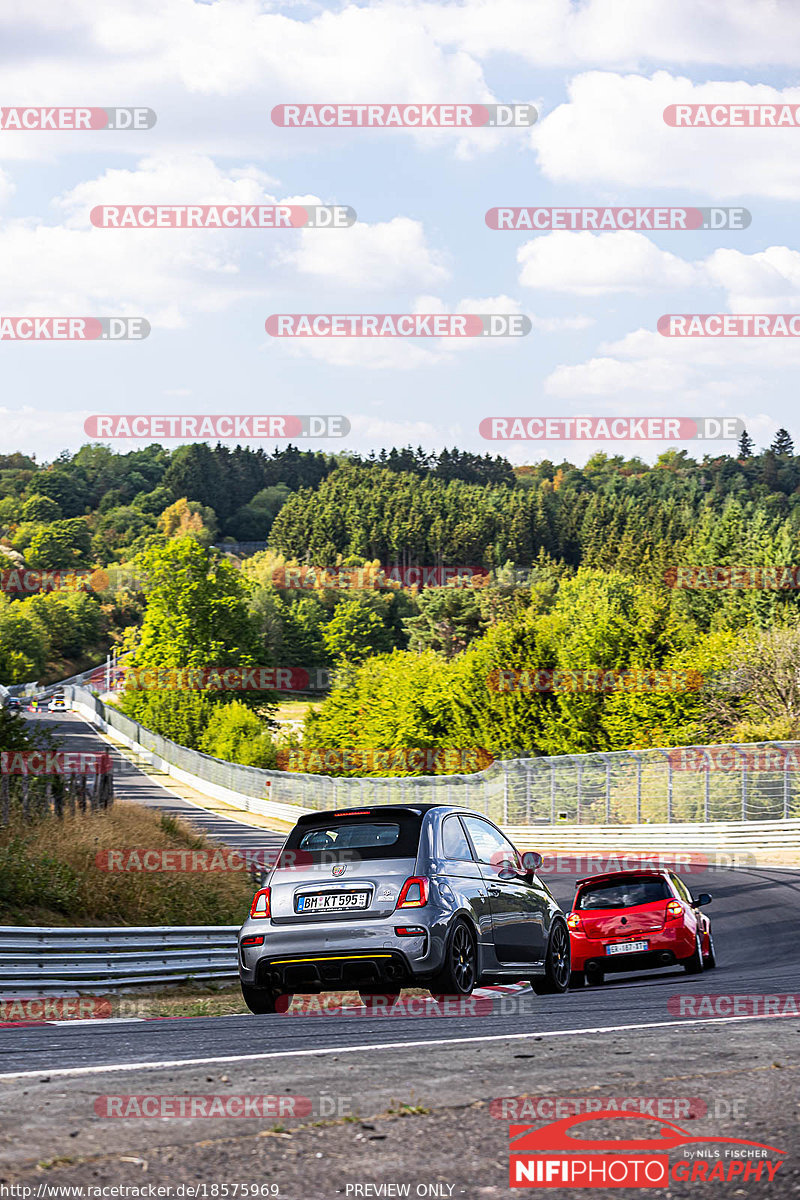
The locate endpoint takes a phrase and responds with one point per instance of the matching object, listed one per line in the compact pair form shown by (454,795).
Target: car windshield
(625,894)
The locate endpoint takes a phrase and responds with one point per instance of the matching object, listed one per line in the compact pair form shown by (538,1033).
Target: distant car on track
(58,703)
(637,920)
(396,896)
(13,704)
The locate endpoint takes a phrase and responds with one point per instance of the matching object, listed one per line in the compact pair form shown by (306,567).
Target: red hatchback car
(637,920)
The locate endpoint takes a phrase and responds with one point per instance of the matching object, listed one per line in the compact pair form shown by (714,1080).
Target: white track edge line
(174,1063)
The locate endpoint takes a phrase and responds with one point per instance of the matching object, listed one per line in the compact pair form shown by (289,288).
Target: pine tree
(783,444)
(746,445)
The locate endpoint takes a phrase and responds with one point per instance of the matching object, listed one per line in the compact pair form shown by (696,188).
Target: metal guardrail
(752,782)
(70,960)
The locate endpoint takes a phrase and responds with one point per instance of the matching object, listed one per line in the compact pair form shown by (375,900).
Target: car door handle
(494,891)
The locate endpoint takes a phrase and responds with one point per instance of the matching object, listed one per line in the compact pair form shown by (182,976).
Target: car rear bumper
(341,955)
(665,947)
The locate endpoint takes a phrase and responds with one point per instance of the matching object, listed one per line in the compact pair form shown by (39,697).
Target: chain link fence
(753,782)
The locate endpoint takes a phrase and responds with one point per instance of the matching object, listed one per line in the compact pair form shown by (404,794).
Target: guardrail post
(608,792)
(744,785)
(707,801)
(552,794)
(785,784)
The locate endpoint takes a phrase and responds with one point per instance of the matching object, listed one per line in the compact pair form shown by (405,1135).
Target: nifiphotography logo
(556,1156)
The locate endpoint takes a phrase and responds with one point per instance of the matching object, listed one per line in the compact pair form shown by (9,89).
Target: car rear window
(354,839)
(626,894)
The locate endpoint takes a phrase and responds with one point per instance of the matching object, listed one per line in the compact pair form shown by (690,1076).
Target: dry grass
(49,874)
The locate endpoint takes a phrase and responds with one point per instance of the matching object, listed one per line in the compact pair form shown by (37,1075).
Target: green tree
(64,545)
(41,508)
(355,632)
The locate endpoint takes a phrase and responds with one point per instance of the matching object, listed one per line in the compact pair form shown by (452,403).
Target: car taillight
(410,930)
(414,892)
(674,909)
(252,941)
(260,905)
(574,921)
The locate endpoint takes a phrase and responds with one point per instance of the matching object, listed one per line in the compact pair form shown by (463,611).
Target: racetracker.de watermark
(712,578)
(195,1107)
(767,325)
(430,760)
(399,325)
(27,581)
(599,219)
(73,119)
(141,860)
(354,578)
(550,1108)
(218,679)
(741,116)
(749,1004)
(54,762)
(223,216)
(403,116)
(594,679)
(332,1004)
(753,760)
(603,862)
(73,329)
(613,429)
(222,427)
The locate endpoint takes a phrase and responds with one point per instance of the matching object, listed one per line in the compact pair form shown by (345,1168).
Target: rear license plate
(626,947)
(331,901)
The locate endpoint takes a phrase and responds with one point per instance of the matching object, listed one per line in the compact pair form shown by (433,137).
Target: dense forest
(581,569)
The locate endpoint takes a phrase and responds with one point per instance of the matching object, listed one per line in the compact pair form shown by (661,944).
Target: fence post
(505,791)
(744,784)
(707,800)
(608,792)
(580,791)
(638,762)
(552,795)
(785,784)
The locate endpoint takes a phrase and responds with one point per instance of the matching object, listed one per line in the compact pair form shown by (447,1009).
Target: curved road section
(723,1042)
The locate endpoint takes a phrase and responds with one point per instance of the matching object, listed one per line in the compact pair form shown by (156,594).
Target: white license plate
(331,901)
(626,947)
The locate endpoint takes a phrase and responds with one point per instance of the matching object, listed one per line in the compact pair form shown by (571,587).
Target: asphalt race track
(756,919)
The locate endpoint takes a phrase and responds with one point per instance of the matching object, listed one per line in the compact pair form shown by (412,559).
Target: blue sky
(600,73)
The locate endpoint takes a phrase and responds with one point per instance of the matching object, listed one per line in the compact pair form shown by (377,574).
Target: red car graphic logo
(557,1136)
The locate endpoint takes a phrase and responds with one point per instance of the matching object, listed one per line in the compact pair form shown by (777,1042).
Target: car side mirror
(531,861)
(703,898)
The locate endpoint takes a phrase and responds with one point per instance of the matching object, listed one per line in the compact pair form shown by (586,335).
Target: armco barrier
(64,961)
(621,788)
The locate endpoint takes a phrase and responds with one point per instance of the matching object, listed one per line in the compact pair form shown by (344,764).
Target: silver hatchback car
(419,895)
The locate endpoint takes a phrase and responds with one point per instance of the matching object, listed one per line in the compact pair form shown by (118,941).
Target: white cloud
(165,275)
(589,264)
(375,257)
(612,131)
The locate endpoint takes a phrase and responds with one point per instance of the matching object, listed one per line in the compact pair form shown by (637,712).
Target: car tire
(711,959)
(459,973)
(577,979)
(555,980)
(260,1000)
(595,978)
(694,964)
